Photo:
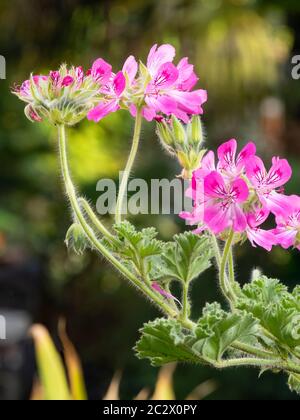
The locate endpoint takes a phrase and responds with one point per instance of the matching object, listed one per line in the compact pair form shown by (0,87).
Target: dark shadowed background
(242,50)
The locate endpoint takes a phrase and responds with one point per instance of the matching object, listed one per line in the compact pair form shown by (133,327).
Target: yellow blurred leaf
(74,368)
(113,392)
(51,369)
(202,391)
(164,385)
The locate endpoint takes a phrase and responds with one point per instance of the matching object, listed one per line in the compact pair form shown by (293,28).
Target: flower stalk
(129,166)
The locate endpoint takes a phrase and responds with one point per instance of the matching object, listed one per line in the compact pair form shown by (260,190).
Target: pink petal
(194,218)
(181,115)
(130,68)
(101,70)
(256,170)
(239,221)
(247,152)
(278,204)
(55,76)
(161,103)
(217,218)
(187,79)
(67,81)
(265,239)
(190,102)
(241,190)
(119,83)
(102,110)
(148,113)
(279,174)
(214,185)
(258,217)
(208,162)
(166,76)
(158,56)
(227,153)
(285,237)
(162,292)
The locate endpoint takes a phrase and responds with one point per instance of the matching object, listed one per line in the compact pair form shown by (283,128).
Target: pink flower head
(169,90)
(113,93)
(66,95)
(256,235)
(230,164)
(266,183)
(223,203)
(288,225)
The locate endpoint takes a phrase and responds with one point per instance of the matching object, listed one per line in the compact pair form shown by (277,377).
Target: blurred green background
(242,50)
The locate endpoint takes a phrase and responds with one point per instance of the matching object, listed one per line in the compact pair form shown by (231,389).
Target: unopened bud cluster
(185,141)
(64,96)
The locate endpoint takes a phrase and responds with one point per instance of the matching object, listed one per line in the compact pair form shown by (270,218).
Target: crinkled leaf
(218,330)
(163,341)
(140,249)
(187,257)
(276,308)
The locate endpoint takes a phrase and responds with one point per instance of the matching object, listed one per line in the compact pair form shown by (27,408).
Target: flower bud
(195,130)
(76,239)
(164,134)
(179,131)
(183,141)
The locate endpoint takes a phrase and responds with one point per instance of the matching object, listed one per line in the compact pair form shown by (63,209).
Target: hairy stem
(224,283)
(94,219)
(254,351)
(269,363)
(231,268)
(129,165)
(185,302)
(71,192)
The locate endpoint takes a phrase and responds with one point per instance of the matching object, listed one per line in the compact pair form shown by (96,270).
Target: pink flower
(288,225)
(229,164)
(113,94)
(169,90)
(266,183)
(223,203)
(256,235)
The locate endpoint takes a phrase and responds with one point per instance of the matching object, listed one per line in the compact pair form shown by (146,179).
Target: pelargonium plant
(233,195)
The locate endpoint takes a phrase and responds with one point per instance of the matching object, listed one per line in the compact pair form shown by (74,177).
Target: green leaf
(163,341)
(187,257)
(218,330)
(294,383)
(140,249)
(276,308)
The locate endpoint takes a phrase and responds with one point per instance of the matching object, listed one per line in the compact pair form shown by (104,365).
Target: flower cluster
(63,96)
(157,88)
(238,193)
